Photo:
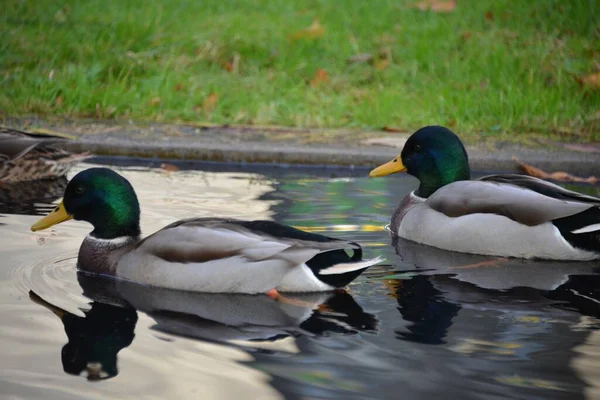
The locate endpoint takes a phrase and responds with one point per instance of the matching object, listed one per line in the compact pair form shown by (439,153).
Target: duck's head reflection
(96,339)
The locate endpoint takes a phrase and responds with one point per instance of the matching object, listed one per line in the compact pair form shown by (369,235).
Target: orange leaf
(557,176)
(591,81)
(321,76)
(382,64)
(314,31)
(232,66)
(169,167)
(210,102)
(437,6)
(154,101)
(391,129)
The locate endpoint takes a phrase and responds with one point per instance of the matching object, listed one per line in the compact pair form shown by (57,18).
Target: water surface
(424,323)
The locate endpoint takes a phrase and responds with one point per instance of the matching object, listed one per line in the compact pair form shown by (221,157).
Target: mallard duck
(30,156)
(505,215)
(199,254)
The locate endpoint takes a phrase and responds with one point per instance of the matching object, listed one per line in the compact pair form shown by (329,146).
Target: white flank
(339,269)
(586,229)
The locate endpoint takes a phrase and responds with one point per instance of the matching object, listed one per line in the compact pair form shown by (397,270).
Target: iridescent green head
(434,155)
(101,197)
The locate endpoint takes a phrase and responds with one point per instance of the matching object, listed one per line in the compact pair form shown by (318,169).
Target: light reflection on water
(425,323)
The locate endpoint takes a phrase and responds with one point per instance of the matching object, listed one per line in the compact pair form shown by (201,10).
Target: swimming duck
(199,254)
(507,215)
(30,156)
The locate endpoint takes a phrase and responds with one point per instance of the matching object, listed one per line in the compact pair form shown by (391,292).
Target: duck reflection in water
(94,340)
(108,327)
(444,283)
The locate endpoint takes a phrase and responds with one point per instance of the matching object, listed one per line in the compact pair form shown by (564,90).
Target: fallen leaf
(591,81)
(314,31)
(489,16)
(210,102)
(391,129)
(61,15)
(169,167)
(557,176)
(382,64)
(232,66)
(179,87)
(320,77)
(360,58)
(59,100)
(154,101)
(466,35)
(438,6)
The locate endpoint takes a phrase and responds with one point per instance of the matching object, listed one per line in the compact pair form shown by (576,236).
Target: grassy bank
(489,66)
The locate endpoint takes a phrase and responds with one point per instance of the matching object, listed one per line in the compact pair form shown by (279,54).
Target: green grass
(160,60)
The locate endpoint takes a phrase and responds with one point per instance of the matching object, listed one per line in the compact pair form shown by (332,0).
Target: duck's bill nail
(388,168)
(56,216)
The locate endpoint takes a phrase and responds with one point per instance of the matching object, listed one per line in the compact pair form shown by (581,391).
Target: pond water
(424,323)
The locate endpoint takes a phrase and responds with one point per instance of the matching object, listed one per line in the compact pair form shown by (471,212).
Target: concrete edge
(582,164)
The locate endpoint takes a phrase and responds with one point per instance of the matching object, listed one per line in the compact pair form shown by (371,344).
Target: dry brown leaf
(314,31)
(391,129)
(169,167)
(179,87)
(360,58)
(59,100)
(438,6)
(232,66)
(591,81)
(489,16)
(466,35)
(320,77)
(382,64)
(154,101)
(557,176)
(210,102)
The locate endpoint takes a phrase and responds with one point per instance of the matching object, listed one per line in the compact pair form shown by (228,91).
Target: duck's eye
(79,190)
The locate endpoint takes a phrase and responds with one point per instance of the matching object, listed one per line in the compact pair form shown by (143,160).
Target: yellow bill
(56,216)
(388,168)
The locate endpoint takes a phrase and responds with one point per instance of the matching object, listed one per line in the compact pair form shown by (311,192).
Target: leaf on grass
(210,103)
(232,66)
(320,77)
(314,31)
(179,87)
(360,58)
(466,35)
(169,167)
(154,101)
(61,15)
(382,63)
(438,6)
(59,100)
(557,176)
(591,81)
(489,16)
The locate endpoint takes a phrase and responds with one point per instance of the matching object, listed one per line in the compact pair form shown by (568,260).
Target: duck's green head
(101,197)
(434,155)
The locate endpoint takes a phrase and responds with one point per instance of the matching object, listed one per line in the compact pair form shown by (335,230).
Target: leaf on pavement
(557,176)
